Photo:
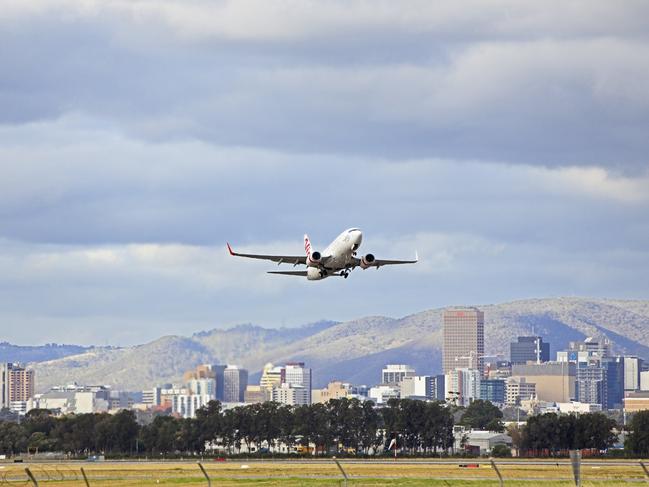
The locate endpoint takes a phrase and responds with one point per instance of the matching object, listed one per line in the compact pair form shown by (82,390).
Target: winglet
(230,249)
(416,256)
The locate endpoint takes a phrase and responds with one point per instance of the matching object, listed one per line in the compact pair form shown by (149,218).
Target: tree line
(340,426)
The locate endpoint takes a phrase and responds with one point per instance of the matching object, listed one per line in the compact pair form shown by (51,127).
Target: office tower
(235,381)
(16,382)
(296,374)
(218,373)
(555,381)
(632,369)
(614,382)
(394,373)
(420,386)
(529,349)
(590,386)
(463,339)
(493,390)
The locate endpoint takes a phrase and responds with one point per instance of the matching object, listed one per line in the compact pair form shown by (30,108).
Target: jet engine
(367,260)
(315,274)
(314,258)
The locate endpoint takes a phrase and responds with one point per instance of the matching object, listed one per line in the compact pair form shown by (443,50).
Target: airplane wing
(280,259)
(289,273)
(381,262)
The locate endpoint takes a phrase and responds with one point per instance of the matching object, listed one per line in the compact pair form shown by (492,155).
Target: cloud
(505,142)
(557,85)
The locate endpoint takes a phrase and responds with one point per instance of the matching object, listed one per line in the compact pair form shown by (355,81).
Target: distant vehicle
(338,259)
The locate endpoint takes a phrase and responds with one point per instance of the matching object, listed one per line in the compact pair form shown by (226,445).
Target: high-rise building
(235,381)
(463,339)
(555,381)
(632,369)
(218,372)
(270,377)
(529,349)
(463,386)
(614,382)
(16,382)
(591,387)
(296,374)
(394,373)
(493,390)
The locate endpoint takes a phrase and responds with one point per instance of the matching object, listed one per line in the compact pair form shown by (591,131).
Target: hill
(354,350)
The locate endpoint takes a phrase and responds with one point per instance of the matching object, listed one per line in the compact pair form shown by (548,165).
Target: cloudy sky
(507,142)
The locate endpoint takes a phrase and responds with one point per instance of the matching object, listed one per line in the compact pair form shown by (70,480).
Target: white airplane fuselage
(340,253)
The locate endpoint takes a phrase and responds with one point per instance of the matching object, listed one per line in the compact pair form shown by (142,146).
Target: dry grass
(298,473)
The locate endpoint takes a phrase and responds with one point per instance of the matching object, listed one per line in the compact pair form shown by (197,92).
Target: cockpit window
(353,230)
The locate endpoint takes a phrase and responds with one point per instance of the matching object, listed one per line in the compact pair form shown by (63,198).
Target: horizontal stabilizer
(289,273)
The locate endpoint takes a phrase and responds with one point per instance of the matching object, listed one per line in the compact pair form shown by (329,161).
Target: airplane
(338,259)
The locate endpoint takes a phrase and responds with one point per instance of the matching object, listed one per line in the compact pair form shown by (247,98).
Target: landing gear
(345,273)
(323,273)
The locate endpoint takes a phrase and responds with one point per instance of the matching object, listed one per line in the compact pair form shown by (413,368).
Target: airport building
(463,339)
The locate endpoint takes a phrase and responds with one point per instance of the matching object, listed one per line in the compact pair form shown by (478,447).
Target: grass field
(314,474)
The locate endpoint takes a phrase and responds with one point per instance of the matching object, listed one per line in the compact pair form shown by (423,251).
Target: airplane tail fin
(307,245)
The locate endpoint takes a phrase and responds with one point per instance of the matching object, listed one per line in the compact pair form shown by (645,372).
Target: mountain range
(353,351)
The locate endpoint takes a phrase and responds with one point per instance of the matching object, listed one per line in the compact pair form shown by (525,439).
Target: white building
(69,401)
(484,440)
(463,386)
(186,405)
(644,380)
(382,393)
(296,374)
(417,386)
(394,373)
(292,395)
(632,369)
(575,407)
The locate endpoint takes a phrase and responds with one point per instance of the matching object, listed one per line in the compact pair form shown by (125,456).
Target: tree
(637,441)
(500,451)
(595,430)
(482,414)
(12,438)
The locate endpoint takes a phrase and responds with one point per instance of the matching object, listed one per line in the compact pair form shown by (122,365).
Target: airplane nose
(358,237)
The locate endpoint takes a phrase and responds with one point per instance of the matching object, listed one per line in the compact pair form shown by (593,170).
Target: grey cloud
(518,88)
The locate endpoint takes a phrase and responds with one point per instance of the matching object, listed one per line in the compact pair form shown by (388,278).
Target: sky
(505,142)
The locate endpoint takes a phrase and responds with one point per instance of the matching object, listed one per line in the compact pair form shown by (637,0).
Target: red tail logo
(307,245)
